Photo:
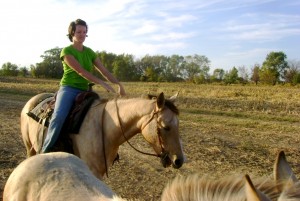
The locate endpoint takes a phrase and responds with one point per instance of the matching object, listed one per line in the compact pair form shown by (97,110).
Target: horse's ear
(148,96)
(173,98)
(252,193)
(282,170)
(160,100)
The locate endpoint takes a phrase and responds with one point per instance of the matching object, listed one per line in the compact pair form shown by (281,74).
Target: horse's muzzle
(166,161)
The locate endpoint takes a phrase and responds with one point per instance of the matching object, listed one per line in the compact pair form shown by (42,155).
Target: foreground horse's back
(55,176)
(28,125)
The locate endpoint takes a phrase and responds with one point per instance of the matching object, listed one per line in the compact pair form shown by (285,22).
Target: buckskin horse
(108,125)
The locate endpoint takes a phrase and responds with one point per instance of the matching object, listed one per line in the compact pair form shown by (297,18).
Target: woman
(78,62)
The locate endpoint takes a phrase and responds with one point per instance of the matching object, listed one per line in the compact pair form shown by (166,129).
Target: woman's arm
(108,76)
(74,64)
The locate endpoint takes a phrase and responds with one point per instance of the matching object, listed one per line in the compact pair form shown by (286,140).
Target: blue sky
(228,32)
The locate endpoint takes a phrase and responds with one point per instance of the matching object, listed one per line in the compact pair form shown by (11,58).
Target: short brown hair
(72,28)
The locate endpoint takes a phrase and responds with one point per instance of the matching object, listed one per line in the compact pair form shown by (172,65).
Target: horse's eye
(167,128)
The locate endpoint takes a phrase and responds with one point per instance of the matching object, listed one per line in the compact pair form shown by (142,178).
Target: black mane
(169,104)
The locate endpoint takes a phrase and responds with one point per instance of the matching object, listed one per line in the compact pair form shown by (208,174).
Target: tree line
(159,68)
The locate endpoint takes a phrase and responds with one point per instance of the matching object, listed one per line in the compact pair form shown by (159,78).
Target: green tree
(296,79)
(33,71)
(195,66)
(292,72)
(273,67)
(255,74)
(200,79)
(107,59)
(51,66)
(124,68)
(160,68)
(268,76)
(150,75)
(231,76)
(152,67)
(23,71)
(174,68)
(9,69)
(218,75)
(243,74)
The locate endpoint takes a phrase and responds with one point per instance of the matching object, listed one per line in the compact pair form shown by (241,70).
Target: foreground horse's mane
(231,188)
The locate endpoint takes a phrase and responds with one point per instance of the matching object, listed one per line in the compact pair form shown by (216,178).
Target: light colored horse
(56,176)
(107,126)
(284,187)
(63,176)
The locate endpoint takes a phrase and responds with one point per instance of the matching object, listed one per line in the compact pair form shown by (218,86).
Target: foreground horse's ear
(283,171)
(148,96)
(252,193)
(160,100)
(173,98)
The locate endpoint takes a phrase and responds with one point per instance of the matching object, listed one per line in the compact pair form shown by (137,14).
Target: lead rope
(120,123)
(103,144)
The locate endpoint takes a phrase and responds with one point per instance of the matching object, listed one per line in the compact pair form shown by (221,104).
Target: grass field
(224,130)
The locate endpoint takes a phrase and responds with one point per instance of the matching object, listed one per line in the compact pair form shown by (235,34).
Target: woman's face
(80,34)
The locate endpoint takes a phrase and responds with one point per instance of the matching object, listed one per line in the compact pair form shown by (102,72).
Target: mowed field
(224,130)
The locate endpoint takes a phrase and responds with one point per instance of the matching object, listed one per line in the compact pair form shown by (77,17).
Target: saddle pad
(43,111)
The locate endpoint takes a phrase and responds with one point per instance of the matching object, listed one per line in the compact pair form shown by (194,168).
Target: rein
(158,133)
(103,144)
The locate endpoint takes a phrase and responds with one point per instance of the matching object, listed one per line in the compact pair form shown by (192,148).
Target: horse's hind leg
(30,151)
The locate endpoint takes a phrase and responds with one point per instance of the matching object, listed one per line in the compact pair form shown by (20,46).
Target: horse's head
(162,132)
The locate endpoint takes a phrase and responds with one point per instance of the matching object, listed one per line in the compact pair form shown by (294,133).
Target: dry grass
(224,129)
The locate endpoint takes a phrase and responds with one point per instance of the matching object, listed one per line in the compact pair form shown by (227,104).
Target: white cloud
(172,36)
(239,57)
(147,27)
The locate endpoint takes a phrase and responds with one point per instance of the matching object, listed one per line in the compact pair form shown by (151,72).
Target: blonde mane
(284,186)
(203,188)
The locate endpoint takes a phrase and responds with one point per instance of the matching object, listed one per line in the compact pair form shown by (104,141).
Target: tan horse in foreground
(62,176)
(107,126)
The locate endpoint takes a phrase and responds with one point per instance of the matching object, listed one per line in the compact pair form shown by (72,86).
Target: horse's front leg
(86,151)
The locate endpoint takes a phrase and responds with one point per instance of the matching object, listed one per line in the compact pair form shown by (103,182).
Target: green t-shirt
(85,58)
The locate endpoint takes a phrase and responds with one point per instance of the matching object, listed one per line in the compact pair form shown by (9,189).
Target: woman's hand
(121,90)
(106,86)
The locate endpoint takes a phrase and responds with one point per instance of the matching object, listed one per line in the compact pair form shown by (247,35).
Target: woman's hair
(72,28)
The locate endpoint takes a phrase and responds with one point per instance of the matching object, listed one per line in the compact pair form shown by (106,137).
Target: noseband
(163,154)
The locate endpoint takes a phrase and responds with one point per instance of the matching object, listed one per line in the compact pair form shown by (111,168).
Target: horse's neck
(131,113)
(130,109)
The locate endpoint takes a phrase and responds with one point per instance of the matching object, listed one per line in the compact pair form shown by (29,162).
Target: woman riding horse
(78,62)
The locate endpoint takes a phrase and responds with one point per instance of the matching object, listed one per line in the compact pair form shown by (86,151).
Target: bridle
(154,113)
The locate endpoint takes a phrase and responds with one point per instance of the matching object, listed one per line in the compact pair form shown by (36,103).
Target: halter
(154,113)
(162,155)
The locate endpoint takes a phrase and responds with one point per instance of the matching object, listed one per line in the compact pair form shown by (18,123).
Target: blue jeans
(64,101)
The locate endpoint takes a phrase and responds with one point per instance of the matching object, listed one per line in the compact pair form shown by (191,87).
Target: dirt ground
(212,147)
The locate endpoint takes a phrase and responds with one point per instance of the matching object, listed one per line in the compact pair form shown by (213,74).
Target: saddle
(42,114)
